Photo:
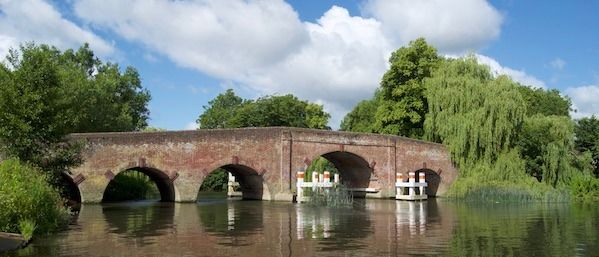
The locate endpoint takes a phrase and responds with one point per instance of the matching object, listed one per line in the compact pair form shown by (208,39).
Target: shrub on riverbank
(27,197)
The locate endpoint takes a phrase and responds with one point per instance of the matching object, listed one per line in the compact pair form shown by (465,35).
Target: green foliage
(403,103)
(215,181)
(131,185)
(220,111)
(545,102)
(587,139)
(472,113)
(336,197)
(524,230)
(46,94)
(546,143)
(153,129)
(27,229)
(319,165)
(483,122)
(585,188)
(502,181)
(362,117)
(230,111)
(26,197)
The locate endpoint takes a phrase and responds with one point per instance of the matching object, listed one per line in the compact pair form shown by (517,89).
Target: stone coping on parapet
(184,133)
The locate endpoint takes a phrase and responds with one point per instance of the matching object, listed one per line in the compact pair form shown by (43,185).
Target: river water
(221,227)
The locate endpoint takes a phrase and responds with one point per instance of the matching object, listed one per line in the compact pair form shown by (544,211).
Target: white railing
(322,180)
(411,185)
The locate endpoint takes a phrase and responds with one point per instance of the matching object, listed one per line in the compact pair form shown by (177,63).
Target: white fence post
(300,189)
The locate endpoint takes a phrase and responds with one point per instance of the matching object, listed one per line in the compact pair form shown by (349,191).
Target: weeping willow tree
(480,118)
(475,115)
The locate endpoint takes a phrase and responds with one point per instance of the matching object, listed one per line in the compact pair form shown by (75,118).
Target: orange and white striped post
(300,189)
(411,179)
(327,176)
(421,179)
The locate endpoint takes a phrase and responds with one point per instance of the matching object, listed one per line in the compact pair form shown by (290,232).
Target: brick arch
(251,181)
(354,170)
(432,178)
(163,181)
(73,191)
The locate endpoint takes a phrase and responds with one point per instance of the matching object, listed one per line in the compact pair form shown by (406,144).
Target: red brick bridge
(264,160)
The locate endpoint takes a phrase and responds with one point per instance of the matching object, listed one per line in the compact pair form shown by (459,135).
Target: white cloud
(262,46)
(558,64)
(517,75)
(221,38)
(341,64)
(38,21)
(584,100)
(191,126)
(453,26)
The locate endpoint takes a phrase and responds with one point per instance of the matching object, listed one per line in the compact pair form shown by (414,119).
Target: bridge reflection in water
(370,228)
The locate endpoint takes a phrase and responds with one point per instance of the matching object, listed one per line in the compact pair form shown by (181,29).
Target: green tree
(362,117)
(220,110)
(230,111)
(474,114)
(25,195)
(216,181)
(587,138)
(545,102)
(403,103)
(546,143)
(319,165)
(46,94)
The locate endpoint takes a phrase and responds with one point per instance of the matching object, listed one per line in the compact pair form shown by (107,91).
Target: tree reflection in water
(231,220)
(525,230)
(139,219)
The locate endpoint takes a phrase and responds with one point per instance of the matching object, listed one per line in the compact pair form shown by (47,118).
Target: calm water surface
(371,228)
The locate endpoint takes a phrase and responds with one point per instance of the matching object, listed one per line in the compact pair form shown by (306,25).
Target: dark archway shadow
(161,180)
(354,171)
(251,184)
(71,192)
(432,178)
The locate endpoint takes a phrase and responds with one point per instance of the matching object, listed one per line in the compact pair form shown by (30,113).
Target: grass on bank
(28,203)
(336,197)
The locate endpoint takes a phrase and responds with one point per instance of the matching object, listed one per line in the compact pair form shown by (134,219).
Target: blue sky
(330,52)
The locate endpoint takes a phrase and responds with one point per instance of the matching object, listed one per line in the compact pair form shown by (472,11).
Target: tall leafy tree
(220,110)
(587,138)
(545,143)
(362,117)
(403,103)
(46,94)
(474,114)
(230,111)
(545,102)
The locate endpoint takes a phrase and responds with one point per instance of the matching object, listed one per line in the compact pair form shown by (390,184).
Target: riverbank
(10,241)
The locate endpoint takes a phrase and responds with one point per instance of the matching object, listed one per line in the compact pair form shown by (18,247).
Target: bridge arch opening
(70,192)
(247,184)
(432,178)
(140,183)
(354,171)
